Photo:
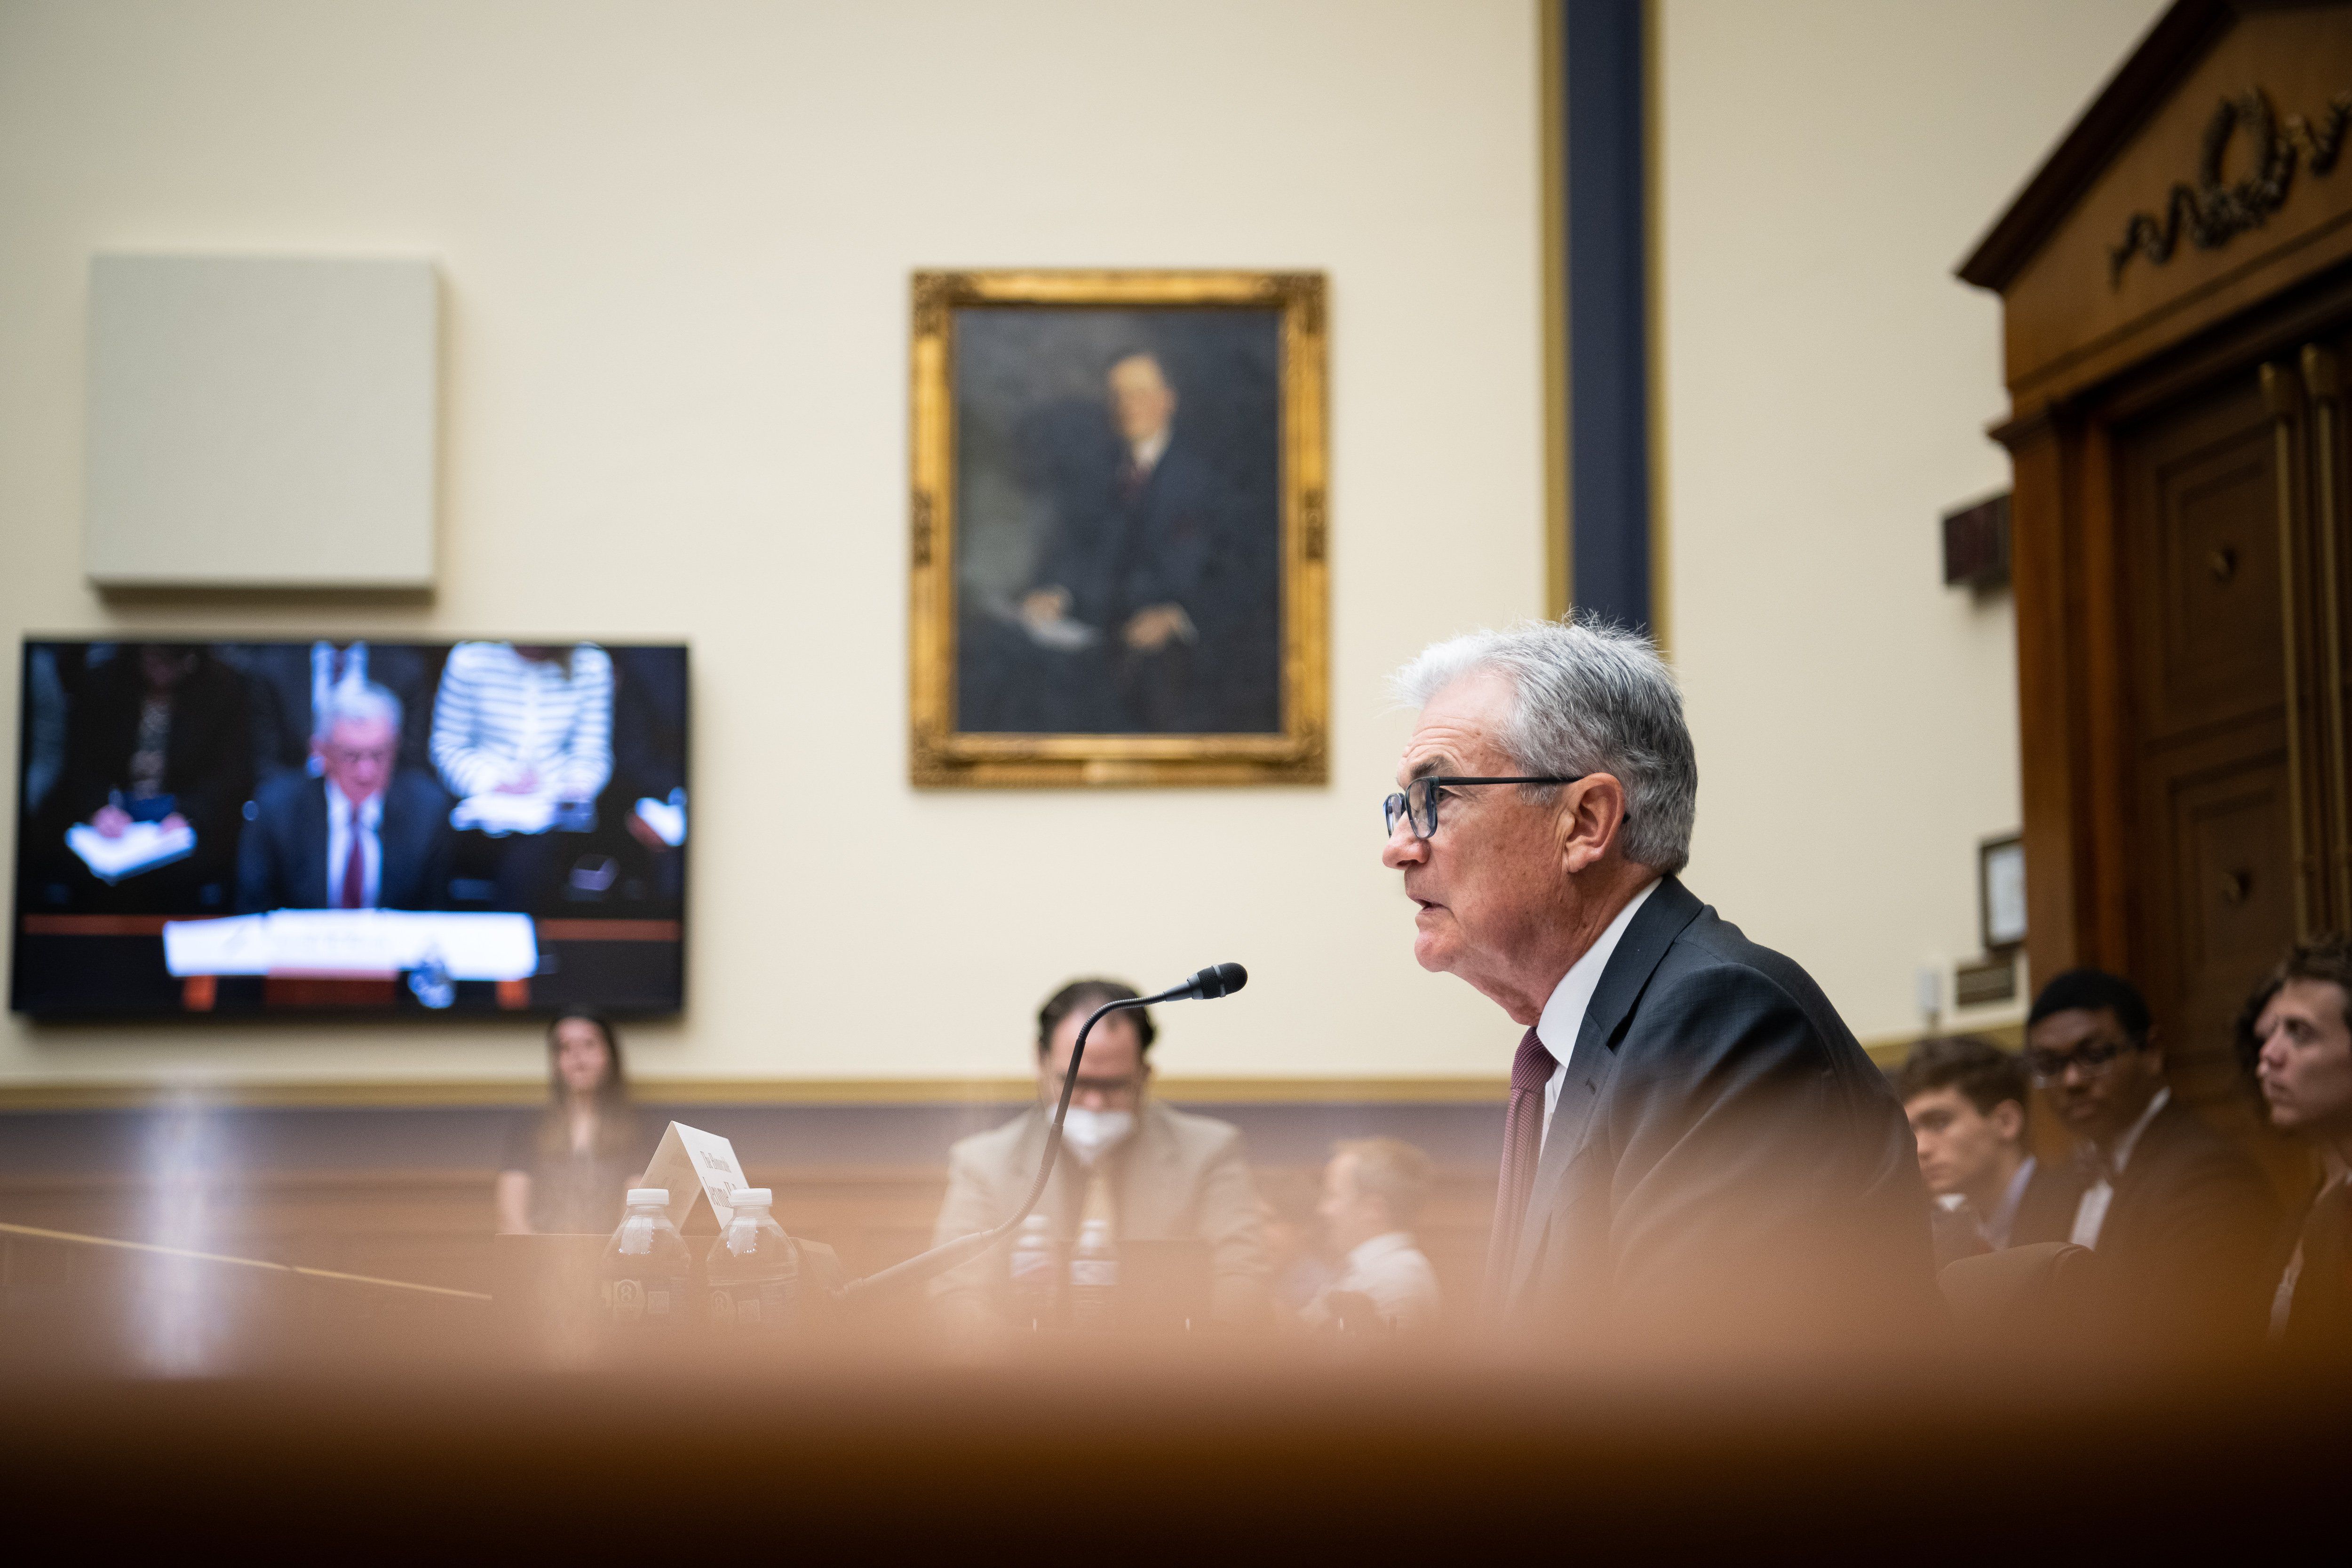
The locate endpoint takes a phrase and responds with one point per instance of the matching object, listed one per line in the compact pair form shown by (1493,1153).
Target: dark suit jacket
(1725,1161)
(2045,1211)
(282,863)
(2188,1251)
(2319,1315)
(207,759)
(1187,537)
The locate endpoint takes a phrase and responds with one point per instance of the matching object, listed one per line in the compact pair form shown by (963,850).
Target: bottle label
(1100,1273)
(751,1304)
(1032,1266)
(661,1300)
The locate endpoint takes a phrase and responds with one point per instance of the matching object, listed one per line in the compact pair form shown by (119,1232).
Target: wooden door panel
(2221,900)
(2207,837)
(2203,488)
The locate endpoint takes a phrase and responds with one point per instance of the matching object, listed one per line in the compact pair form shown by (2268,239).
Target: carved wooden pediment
(2208,175)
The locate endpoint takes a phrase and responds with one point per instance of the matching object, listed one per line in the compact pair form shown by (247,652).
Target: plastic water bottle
(1094,1278)
(754,1269)
(1033,1272)
(646,1269)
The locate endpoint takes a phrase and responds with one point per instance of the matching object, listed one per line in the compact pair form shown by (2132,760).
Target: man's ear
(2007,1120)
(1592,814)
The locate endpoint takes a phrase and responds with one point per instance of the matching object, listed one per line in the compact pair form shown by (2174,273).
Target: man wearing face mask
(1160,1174)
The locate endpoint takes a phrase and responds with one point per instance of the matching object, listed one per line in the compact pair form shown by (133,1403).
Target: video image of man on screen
(489,826)
(365,834)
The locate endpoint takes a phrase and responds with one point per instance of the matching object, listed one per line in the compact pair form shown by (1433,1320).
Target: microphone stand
(1219,980)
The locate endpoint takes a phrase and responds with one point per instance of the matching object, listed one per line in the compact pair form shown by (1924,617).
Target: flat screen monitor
(340,826)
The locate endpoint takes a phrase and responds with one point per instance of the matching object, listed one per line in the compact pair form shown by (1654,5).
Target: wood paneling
(435,1227)
(2071,319)
(2175,535)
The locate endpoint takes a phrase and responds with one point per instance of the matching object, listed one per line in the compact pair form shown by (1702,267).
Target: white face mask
(1093,1134)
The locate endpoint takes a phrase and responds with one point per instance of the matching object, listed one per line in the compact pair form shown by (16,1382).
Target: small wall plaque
(1982,983)
(1976,544)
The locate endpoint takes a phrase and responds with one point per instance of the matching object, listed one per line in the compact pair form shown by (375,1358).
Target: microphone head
(1217,980)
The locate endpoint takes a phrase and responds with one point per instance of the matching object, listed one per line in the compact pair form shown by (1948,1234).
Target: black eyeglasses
(1417,802)
(2094,1060)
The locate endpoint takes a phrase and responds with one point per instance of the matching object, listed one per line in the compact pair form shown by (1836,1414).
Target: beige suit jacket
(1179,1177)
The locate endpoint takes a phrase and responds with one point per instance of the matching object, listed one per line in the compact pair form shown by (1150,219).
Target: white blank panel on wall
(260,421)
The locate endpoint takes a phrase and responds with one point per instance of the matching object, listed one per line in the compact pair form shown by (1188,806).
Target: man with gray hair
(1696,1147)
(366,834)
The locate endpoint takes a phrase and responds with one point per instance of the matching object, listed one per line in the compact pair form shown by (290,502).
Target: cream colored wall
(674,240)
(1822,166)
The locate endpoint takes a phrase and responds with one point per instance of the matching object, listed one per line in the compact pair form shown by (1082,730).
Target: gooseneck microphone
(1203,986)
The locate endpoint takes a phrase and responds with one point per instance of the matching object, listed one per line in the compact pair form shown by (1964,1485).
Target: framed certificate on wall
(2000,892)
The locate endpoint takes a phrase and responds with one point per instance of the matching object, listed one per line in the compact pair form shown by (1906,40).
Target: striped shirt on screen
(499,714)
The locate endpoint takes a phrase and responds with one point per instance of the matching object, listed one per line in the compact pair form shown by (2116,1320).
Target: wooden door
(2231,528)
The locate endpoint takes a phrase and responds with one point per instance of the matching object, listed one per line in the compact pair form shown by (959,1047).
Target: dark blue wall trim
(1608,307)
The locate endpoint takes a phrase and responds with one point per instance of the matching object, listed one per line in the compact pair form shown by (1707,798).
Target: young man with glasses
(2183,1222)
(1156,1172)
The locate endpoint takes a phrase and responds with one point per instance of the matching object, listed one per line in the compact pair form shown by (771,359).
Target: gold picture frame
(981,711)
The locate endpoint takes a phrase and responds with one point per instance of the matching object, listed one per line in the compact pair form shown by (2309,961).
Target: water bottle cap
(752,1197)
(640,1196)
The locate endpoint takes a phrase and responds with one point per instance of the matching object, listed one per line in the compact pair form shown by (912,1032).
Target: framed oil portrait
(1119,532)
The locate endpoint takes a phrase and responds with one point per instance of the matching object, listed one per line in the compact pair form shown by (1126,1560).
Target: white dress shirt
(1563,1016)
(339,846)
(2091,1212)
(1145,453)
(1392,1271)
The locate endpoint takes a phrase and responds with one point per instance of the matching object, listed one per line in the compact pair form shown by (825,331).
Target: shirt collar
(1563,1016)
(1386,1244)
(2130,1140)
(339,808)
(1147,452)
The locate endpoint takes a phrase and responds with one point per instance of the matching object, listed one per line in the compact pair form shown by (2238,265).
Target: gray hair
(358,702)
(1592,698)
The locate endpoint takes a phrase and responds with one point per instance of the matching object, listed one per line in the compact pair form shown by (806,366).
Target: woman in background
(569,1167)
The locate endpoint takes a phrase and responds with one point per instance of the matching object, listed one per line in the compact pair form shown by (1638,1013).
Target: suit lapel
(1666,916)
(1143,1198)
(312,889)
(394,831)
(2144,1171)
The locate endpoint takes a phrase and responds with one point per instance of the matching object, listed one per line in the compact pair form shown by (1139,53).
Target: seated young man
(2183,1221)
(1965,1099)
(2296,1036)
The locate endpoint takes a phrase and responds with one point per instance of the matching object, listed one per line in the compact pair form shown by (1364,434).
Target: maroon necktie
(1531,1069)
(356,869)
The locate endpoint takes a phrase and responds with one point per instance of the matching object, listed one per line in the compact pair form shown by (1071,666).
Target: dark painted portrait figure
(1118,559)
